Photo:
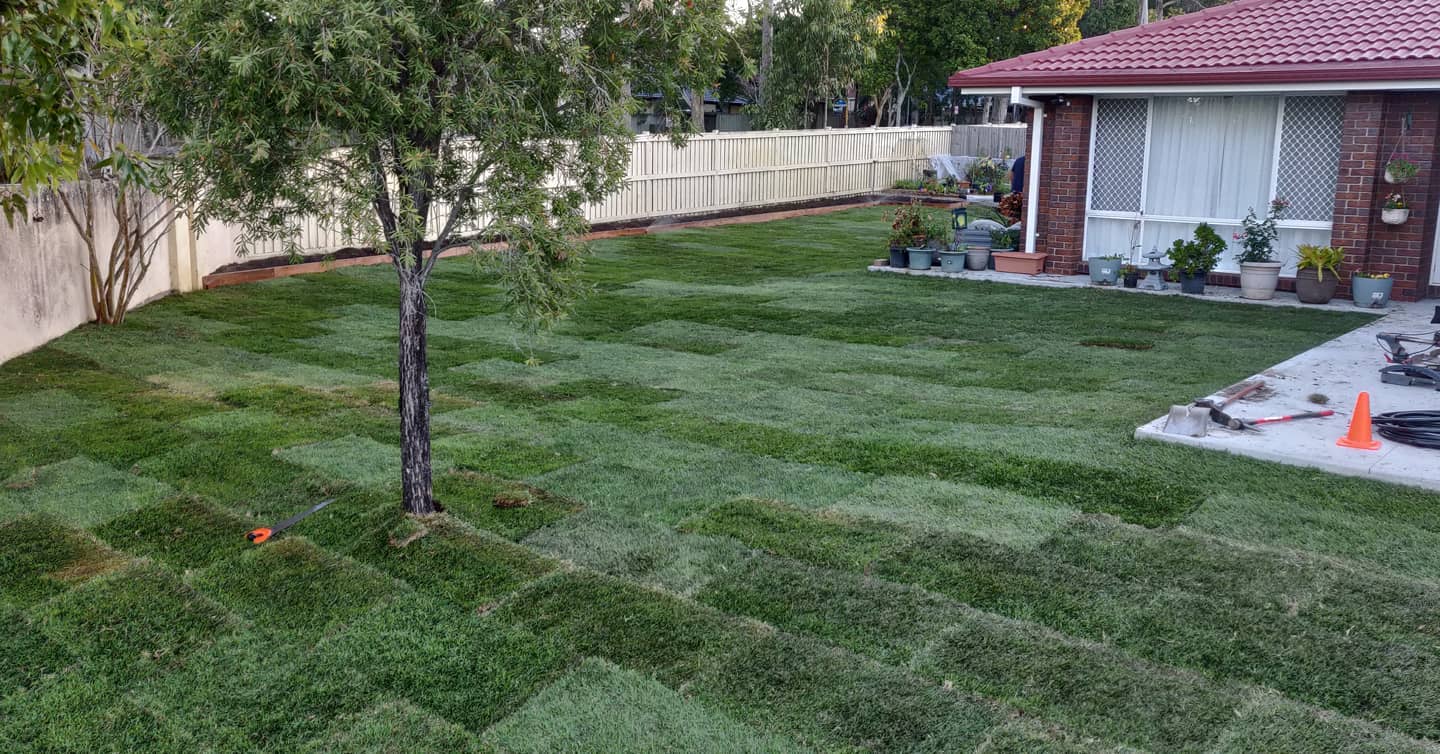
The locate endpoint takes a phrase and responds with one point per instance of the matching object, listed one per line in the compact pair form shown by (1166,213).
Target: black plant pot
(898,257)
(998,196)
(1192,283)
(1132,280)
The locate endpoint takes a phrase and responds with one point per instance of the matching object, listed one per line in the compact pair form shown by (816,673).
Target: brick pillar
(1064,171)
(1372,132)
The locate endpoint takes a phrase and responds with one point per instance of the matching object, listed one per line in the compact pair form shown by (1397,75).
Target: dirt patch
(507,500)
(1125,344)
(86,568)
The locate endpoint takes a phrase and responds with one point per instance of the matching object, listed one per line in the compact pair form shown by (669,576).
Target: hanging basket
(1394,216)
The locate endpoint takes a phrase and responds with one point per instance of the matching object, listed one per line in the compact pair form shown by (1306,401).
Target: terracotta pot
(1019,262)
(1310,289)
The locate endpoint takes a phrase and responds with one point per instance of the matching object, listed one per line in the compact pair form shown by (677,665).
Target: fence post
(874,160)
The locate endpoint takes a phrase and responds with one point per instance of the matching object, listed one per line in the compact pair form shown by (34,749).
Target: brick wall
(1064,170)
(1372,133)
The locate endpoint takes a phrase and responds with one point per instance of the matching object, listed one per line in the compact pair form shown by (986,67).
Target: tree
(75,129)
(42,126)
(412,123)
(820,46)
(1105,16)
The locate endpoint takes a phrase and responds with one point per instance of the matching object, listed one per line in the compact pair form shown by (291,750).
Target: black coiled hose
(1418,428)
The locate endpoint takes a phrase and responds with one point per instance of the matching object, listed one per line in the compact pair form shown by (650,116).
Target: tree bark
(767,50)
(417,492)
(697,109)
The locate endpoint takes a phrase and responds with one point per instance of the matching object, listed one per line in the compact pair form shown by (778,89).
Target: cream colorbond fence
(713,172)
(716,172)
(726,171)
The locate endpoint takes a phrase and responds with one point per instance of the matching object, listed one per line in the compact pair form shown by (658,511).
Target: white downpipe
(1032,164)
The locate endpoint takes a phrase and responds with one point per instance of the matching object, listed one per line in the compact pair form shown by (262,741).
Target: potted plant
(1012,207)
(1008,260)
(907,229)
(1401,170)
(977,255)
(1131,275)
(985,172)
(1106,270)
(934,229)
(953,259)
(1395,210)
(1259,272)
(1312,285)
(1372,289)
(1192,260)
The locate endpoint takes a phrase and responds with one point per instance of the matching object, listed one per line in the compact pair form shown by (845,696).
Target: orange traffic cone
(1359,436)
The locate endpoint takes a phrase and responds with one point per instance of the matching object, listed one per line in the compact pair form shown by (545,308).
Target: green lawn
(775,504)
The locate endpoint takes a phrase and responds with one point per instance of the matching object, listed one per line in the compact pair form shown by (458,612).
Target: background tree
(920,43)
(374,115)
(820,46)
(1105,16)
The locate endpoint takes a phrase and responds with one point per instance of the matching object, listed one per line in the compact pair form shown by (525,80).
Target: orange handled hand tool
(1254,423)
(260,535)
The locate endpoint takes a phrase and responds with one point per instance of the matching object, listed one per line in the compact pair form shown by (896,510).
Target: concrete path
(1221,293)
(1338,370)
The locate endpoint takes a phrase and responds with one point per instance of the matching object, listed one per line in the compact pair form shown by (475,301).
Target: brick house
(1144,133)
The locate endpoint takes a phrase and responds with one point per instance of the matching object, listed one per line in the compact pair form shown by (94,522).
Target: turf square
(602,707)
(133,622)
(395,727)
(182,532)
(40,557)
(78,491)
(292,584)
(354,459)
(444,557)
(50,410)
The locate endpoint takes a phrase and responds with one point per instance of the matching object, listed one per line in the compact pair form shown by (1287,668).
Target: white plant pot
(1394,216)
(1390,177)
(1258,280)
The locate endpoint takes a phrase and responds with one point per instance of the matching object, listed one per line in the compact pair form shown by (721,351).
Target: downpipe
(1032,164)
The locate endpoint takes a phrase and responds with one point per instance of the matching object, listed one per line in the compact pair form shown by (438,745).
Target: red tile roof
(1246,41)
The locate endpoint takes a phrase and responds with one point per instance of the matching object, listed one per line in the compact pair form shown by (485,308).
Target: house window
(1120,127)
(1162,165)
(1310,156)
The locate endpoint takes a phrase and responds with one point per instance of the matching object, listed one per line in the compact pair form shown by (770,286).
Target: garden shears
(260,535)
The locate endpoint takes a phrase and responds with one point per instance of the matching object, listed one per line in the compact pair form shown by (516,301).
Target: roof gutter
(1032,164)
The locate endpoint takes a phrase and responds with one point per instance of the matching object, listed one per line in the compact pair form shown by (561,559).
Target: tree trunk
(767,50)
(1001,112)
(697,110)
(418,495)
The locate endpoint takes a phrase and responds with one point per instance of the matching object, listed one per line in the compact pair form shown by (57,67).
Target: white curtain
(1161,235)
(1107,237)
(1211,157)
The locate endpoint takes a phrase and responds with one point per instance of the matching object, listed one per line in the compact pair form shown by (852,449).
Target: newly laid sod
(753,499)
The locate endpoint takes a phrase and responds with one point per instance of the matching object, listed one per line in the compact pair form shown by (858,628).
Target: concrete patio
(1339,370)
(1212,293)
